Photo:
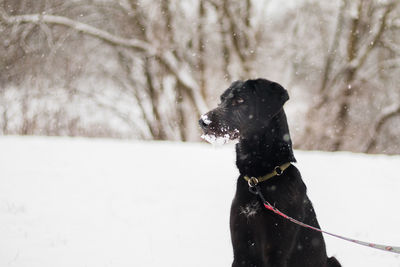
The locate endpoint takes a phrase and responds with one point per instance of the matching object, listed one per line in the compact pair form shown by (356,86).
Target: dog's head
(245,108)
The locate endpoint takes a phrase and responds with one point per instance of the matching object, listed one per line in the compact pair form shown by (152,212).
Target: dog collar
(278,170)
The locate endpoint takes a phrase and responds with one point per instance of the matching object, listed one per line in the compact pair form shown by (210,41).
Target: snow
(205,119)
(92,202)
(216,140)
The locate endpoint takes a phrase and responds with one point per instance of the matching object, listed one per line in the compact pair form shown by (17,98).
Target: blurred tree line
(148,69)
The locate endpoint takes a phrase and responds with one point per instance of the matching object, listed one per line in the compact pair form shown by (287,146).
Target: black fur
(252,111)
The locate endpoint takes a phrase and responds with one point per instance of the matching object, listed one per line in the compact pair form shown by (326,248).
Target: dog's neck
(257,153)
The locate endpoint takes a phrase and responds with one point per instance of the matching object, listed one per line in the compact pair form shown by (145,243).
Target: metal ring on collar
(278,170)
(253,181)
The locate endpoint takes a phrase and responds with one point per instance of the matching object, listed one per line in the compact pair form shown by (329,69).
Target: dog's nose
(203,124)
(204,121)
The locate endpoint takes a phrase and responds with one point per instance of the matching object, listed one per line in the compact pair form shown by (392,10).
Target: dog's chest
(250,210)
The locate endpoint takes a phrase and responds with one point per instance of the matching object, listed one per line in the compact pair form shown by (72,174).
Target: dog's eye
(221,100)
(237,101)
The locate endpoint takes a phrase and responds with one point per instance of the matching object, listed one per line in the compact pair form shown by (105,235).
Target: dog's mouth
(215,133)
(220,139)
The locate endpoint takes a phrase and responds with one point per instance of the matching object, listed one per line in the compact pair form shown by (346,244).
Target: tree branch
(187,81)
(80,27)
(333,47)
(378,127)
(166,58)
(358,62)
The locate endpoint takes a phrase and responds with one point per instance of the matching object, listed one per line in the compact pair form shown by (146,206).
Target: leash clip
(253,181)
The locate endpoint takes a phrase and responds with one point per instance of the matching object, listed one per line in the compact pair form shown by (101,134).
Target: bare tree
(145,69)
(142,49)
(358,44)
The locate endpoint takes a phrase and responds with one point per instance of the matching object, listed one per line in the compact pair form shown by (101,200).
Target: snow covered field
(90,202)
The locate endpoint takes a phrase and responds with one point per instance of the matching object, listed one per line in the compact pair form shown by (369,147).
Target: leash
(255,189)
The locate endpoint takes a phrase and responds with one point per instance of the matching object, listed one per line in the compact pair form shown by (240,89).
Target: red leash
(267,205)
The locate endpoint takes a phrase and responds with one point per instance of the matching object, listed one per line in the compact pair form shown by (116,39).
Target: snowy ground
(79,202)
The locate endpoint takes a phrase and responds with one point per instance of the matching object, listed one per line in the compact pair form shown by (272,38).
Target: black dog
(252,112)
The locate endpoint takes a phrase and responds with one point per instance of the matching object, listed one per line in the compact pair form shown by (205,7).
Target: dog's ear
(271,94)
(282,92)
